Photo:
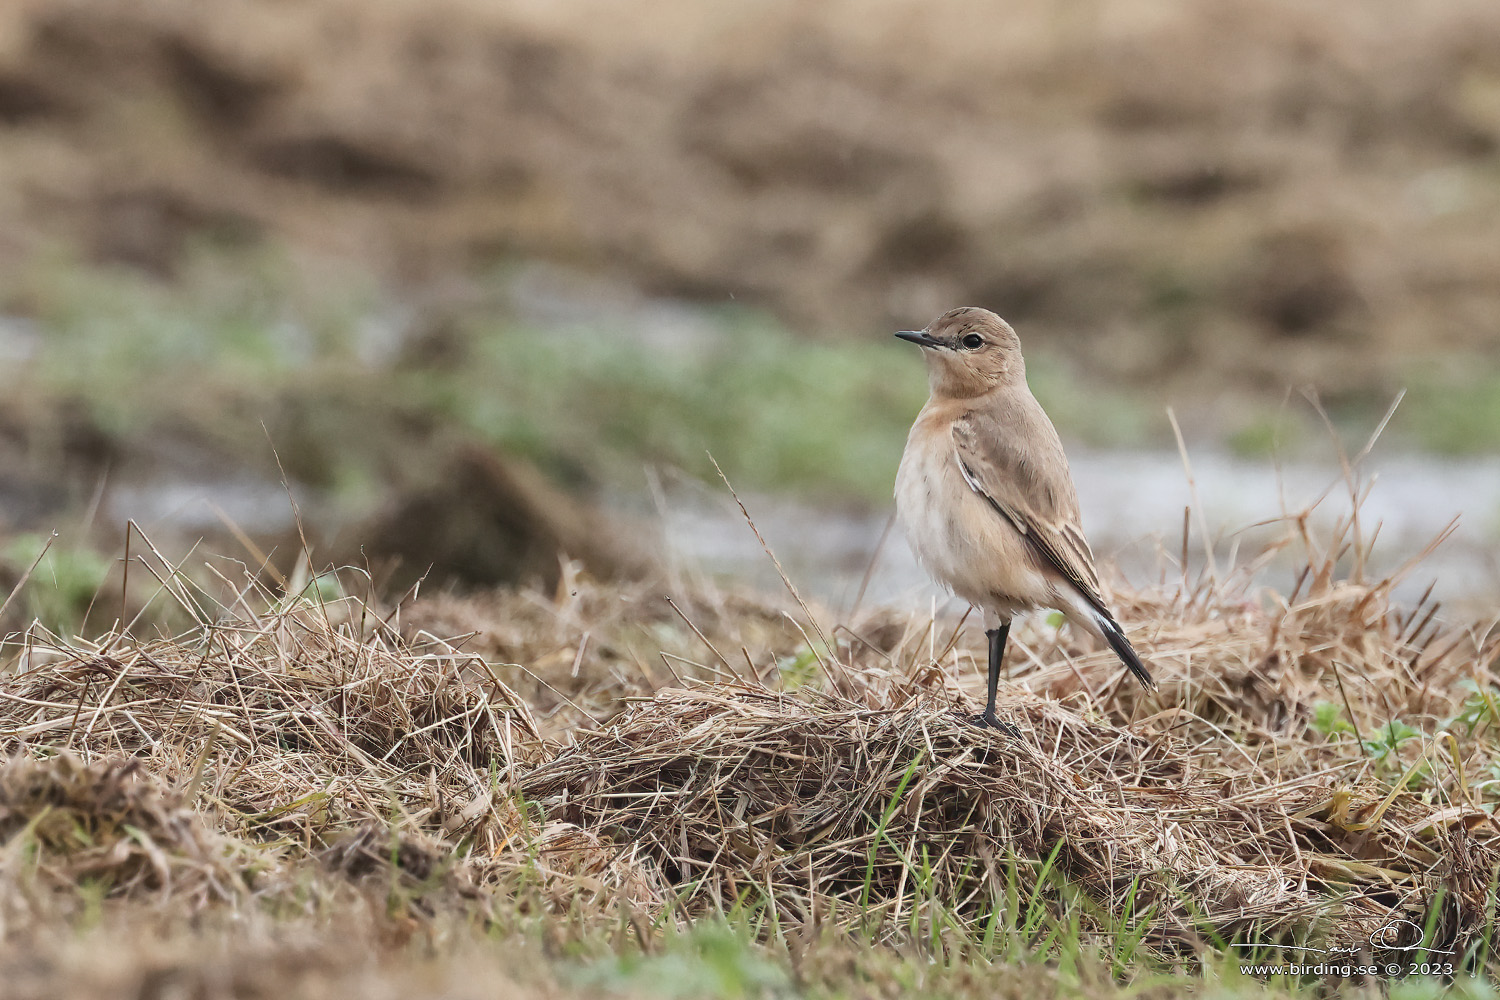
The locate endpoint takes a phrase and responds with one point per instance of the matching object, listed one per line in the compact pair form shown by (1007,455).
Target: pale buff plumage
(984,490)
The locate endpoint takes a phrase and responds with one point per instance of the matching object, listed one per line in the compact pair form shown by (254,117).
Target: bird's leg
(997,637)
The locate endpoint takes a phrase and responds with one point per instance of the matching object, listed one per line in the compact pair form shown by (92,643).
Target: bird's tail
(1115,636)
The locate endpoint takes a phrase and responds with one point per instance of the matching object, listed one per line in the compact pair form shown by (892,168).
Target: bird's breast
(931,498)
(962,541)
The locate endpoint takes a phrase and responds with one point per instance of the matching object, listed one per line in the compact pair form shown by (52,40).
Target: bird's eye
(973,342)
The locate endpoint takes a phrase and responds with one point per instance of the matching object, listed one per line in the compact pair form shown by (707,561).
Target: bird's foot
(989,720)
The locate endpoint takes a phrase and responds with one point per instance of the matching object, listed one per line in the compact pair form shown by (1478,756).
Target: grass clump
(700,825)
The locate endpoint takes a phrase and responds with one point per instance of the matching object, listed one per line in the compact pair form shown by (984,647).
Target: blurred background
(474,283)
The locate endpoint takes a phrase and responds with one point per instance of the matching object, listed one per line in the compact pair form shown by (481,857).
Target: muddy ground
(1257,192)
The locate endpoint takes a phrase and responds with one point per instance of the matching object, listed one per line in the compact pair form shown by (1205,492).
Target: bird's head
(970,351)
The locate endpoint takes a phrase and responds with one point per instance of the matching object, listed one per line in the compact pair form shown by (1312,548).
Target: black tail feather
(1115,636)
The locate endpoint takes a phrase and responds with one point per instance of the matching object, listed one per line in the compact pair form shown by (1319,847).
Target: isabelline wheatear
(985,495)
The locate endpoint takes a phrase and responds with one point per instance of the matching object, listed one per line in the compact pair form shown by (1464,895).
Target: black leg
(997,637)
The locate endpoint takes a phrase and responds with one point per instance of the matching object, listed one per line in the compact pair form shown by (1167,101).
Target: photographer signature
(1385,937)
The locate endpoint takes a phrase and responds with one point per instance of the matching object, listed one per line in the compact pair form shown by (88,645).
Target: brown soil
(1261,189)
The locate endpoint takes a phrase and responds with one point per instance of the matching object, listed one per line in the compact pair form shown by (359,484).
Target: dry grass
(310,749)
(1220,812)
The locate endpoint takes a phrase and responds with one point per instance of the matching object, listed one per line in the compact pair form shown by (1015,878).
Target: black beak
(921,338)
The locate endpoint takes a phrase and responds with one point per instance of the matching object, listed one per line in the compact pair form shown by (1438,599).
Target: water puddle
(1133,505)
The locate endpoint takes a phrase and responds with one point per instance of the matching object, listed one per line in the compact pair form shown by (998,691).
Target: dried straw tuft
(112,824)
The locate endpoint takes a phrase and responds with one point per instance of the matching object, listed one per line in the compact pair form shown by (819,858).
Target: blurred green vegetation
(1265,433)
(1097,415)
(321,361)
(1456,414)
(62,586)
(713,959)
(776,411)
(245,348)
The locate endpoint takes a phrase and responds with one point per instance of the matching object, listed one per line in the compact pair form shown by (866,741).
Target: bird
(985,495)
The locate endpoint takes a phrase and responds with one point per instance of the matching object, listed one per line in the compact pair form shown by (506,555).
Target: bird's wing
(1017,465)
(1024,477)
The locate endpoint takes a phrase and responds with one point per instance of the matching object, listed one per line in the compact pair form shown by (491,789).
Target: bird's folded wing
(1033,493)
